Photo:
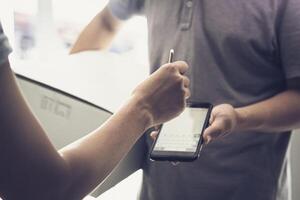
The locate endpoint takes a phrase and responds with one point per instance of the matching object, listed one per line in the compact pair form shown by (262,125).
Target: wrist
(142,111)
(247,120)
(241,117)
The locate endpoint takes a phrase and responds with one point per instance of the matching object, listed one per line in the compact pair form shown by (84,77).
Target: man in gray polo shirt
(244,54)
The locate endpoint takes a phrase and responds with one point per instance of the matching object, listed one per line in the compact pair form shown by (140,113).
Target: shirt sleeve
(124,9)
(4,46)
(289,38)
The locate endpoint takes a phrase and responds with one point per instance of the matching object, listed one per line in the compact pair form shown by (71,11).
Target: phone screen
(183,133)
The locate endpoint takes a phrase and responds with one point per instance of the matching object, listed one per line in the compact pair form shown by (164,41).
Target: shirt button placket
(186,15)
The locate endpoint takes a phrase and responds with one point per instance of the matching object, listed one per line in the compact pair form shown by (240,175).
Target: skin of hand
(223,120)
(158,91)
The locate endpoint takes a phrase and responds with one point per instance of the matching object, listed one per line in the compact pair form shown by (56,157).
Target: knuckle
(177,79)
(182,63)
(170,68)
(188,81)
(219,130)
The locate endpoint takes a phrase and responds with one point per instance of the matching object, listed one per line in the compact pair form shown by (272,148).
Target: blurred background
(50,27)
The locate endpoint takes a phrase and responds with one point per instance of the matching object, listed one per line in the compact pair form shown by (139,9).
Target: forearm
(31,168)
(98,34)
(92,158)
(277,114)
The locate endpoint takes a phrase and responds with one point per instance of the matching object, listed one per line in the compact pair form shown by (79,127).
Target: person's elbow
(99,33)
(109,22)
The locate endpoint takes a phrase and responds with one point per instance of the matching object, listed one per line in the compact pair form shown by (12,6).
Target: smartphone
(181,138)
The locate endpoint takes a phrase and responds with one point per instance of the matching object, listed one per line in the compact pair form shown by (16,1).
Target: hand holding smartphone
(181,138)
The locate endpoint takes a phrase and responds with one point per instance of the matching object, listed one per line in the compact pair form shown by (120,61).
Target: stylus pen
(171,56)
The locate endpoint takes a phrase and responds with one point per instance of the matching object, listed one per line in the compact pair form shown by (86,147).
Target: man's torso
(232,51)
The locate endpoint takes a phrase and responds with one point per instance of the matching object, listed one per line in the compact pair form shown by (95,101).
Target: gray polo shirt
(239,52)
(4,46)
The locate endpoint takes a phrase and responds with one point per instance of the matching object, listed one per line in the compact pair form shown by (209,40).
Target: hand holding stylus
(185,86)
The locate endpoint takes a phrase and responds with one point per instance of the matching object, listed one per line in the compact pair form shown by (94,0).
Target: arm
(276,114)
(99,33)
(31,168)
(281,112)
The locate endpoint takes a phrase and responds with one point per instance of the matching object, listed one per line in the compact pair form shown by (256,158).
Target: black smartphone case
(183,156)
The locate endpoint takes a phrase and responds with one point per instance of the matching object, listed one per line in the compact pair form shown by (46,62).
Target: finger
(212,118)
(187,93)
(207,134)
(181,66)
(153,135)
(207,140)
(215,130)
(186,81)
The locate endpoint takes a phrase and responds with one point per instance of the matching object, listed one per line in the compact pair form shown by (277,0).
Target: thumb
(212,118)
(213,131)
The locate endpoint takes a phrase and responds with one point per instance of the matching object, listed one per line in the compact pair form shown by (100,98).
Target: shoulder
(124,9)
